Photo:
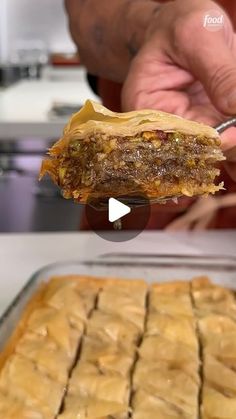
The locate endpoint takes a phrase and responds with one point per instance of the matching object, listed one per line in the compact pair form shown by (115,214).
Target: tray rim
(105,259)
(168,256)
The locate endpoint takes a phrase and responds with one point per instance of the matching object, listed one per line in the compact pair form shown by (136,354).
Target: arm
(109,33)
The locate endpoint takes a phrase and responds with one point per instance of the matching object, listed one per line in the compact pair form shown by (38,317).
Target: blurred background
(41,84)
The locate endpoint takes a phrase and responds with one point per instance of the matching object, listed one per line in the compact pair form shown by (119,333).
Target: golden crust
(217,405)
(83,281)
(34,302)
(124,282)
(94,117)
(178,328)
(173,385)
(10,408)
(173,287)
(21,379)
(147,406)
(39,298)
(85,407)
(97,282)
(168,347)
(200,283)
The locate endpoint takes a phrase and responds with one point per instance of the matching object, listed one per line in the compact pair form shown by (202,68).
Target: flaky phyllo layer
(103,153)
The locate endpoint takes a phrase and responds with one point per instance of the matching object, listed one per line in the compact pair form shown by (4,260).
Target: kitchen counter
(25,106)
(23,254)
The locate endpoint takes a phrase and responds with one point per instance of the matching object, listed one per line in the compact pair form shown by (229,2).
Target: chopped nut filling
(159,163)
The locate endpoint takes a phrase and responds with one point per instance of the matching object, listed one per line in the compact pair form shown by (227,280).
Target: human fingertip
(230,103)
(228,139)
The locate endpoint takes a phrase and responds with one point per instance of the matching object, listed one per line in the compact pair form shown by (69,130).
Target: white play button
(116,210)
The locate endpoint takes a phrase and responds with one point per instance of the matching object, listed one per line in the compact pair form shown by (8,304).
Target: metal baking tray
(151,267)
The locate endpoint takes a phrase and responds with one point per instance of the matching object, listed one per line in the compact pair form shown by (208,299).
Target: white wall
(43,20)
(3,30)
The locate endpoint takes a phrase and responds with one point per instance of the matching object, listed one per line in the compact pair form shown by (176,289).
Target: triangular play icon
(117,210)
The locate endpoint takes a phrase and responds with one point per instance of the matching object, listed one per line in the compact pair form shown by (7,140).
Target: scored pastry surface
(170,336)
(111,348)
(215,308)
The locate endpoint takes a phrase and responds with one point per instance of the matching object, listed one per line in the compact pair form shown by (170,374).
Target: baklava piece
(107,356)
(46,354)
(102,375)
(166,379)
(211,298)
(22,380)
(217,332)
(92,408)
(126,298)
(103,154)
(11,408)
(36,364)
(115,349)
(148,406)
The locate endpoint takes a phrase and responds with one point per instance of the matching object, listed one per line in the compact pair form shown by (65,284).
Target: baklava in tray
(101,348)
(160,155)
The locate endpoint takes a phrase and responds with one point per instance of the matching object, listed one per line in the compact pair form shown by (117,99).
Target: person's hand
(184,68)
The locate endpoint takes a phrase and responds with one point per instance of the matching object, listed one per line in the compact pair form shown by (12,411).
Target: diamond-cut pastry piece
(171,298)
(107,387)
(74,292)
(170,304)
(176,329)
(20,379)
(125,298)
(219,376)
(215,324)
(118,362)
(158,348)
(10,408)
(186,368)
(56,324)
(210,298)
(113,326)
(92,348)
(171,385)
(158,412)
(171,288)
(147,406)
(68,299)
(218,334)
(107,356)
(46,354)
(224,349)
(134,290)
(92,408)
(217,405)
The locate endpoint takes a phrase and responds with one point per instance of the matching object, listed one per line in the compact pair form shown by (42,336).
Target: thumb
(213,63)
